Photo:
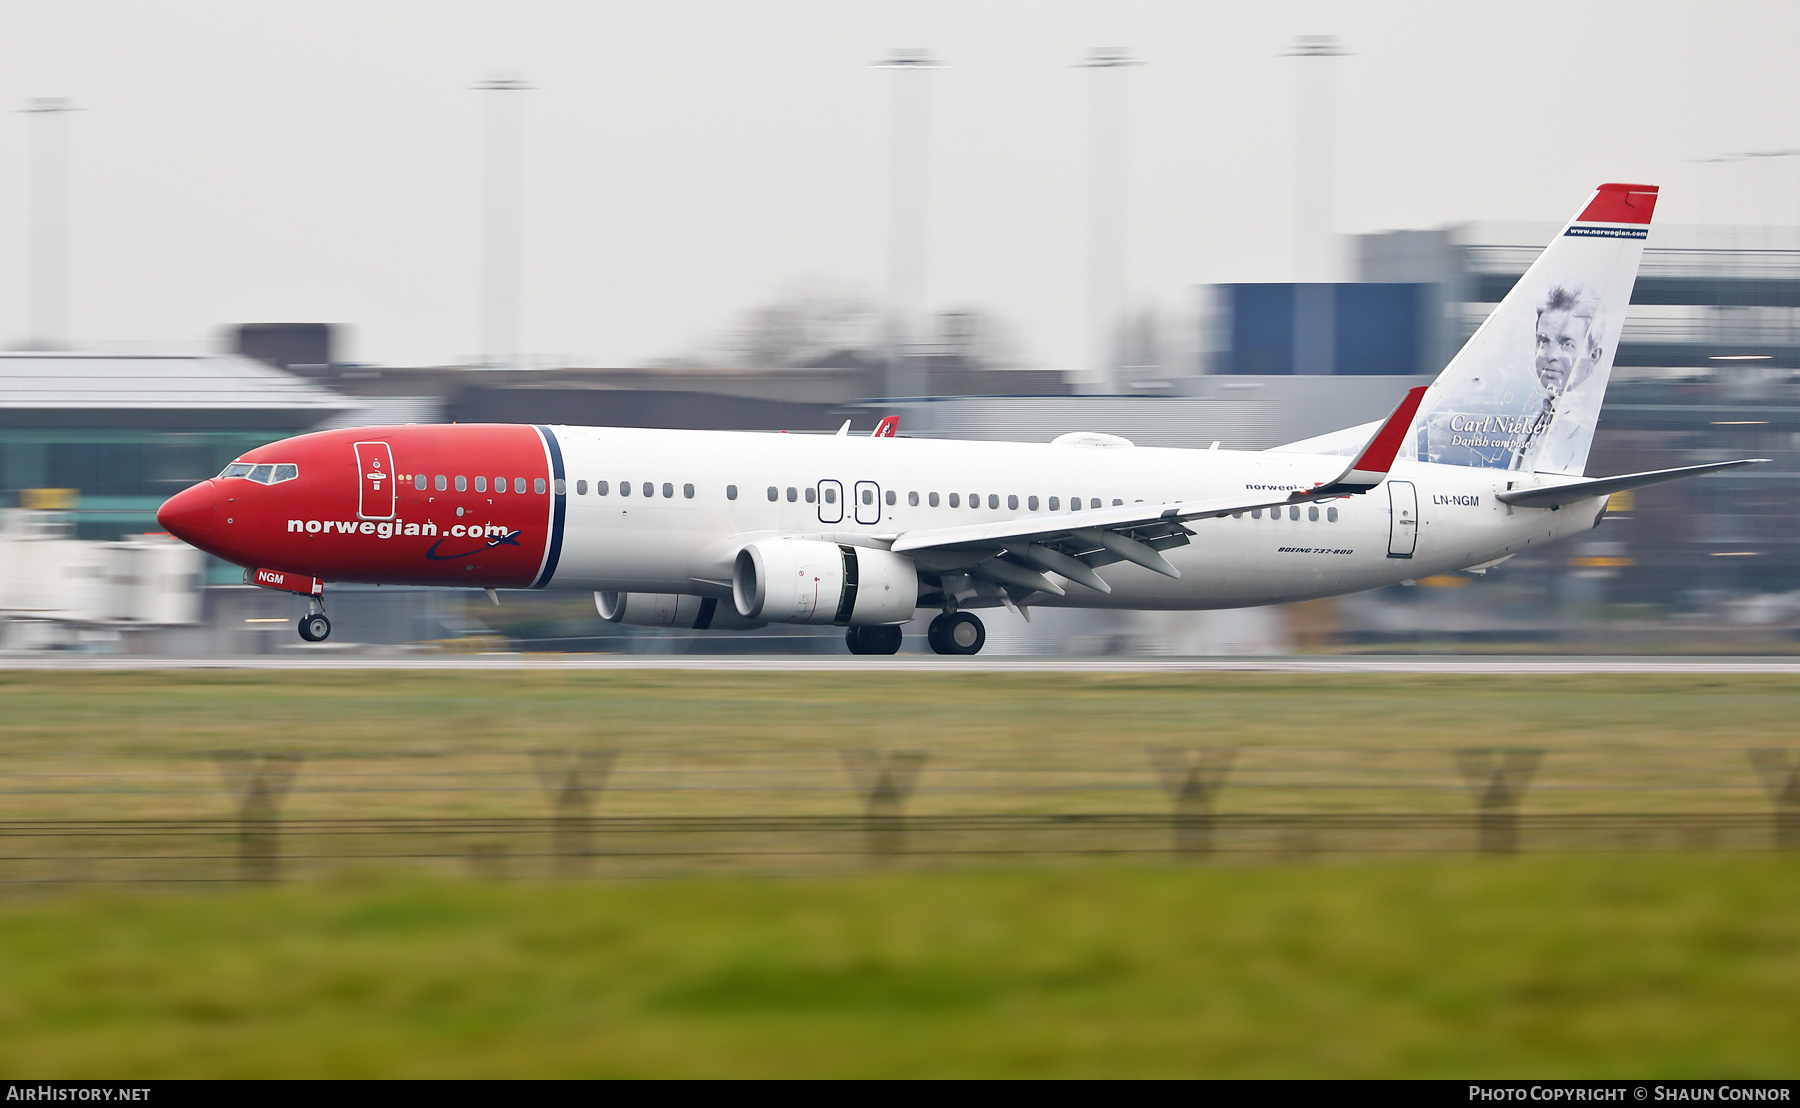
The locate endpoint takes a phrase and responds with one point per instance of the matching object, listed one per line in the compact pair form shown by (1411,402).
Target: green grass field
(1639,963)
(1640,966)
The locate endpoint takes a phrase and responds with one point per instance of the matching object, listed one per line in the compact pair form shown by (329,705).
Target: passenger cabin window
(731,492)
(441,482)
(462,483)
(242,469)
(932,500)
(1294,512)
(580,487)
(955,500)
(481,484)
(831,496)
(868,496)
(1331,515)
(774,494)
(1056,503)
(625,488)
(649,489)
(1256,513)
(559,487)
(419,481)
(1012,502)
(891,501)
(1117,503)
(499,484)
(912,500)
(537,485)
(812,494)
(687,491)
(1093,502)
(974,500)
(1312,515)
(668,490)
(793,494)
(601,488)
(1031,505)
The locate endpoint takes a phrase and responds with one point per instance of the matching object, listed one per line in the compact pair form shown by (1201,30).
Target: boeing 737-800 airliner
(724,530)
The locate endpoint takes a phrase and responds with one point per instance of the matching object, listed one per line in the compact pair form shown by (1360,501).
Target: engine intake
(666,609)
(810,581)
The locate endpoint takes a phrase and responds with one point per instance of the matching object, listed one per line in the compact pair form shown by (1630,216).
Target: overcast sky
(686,161)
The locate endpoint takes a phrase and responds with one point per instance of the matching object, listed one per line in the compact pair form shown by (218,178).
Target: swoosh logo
(510,539)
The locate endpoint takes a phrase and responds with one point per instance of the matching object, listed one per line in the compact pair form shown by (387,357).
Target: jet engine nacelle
(667,609)
(809,581)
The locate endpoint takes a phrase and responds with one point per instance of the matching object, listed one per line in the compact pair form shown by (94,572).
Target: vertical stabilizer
(1524,393)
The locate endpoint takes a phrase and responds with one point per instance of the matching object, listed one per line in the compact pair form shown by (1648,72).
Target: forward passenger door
(831,502)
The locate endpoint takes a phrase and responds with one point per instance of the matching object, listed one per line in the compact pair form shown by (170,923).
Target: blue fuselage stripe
(558,488)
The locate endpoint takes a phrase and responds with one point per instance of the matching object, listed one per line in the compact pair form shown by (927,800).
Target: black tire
(934,635)
(963,633)
(853,638)
(883,640)
(315,628)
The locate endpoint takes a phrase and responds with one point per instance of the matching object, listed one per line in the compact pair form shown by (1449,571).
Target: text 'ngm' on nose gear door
(868,502)
(375,475)
(1403,527)
(831,502)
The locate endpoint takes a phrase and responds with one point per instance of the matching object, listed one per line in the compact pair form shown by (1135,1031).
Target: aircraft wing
(1017,552)
(1555,496)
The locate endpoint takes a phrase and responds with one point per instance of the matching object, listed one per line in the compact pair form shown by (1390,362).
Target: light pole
(49,223)
(502,220)
(1315,154)
(1108,208)
(909,119)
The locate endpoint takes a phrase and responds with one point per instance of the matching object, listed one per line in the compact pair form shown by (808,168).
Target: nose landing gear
(961,633)
(315,627)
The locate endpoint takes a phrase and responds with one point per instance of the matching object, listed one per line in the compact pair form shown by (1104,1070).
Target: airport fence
(263,816)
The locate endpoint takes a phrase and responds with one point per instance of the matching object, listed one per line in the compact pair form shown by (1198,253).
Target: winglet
(1372,465)
(886,428)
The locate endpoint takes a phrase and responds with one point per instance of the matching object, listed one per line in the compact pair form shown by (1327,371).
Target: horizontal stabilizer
(1555,496)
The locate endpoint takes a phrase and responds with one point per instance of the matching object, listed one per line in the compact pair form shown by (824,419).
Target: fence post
(1780,773)
(1193,778)
(571,778)
(1498,777)
(886,782)
(258,782)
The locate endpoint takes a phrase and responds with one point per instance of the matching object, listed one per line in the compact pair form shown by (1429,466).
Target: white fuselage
(679,543)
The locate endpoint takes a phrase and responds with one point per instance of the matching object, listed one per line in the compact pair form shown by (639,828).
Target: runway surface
(904,663)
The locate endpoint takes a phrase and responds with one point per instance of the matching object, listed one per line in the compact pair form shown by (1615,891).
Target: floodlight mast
(1109,205)
(50,263)
(502,221)
(1315,150)
(909,145)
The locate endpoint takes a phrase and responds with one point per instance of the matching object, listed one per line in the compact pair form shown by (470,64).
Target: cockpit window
(269,474)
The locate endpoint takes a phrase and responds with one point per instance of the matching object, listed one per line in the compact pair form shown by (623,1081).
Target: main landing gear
(314,627)
(874,640)
(961,633)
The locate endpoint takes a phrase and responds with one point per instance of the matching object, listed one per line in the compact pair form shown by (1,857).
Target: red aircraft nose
(188,515)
